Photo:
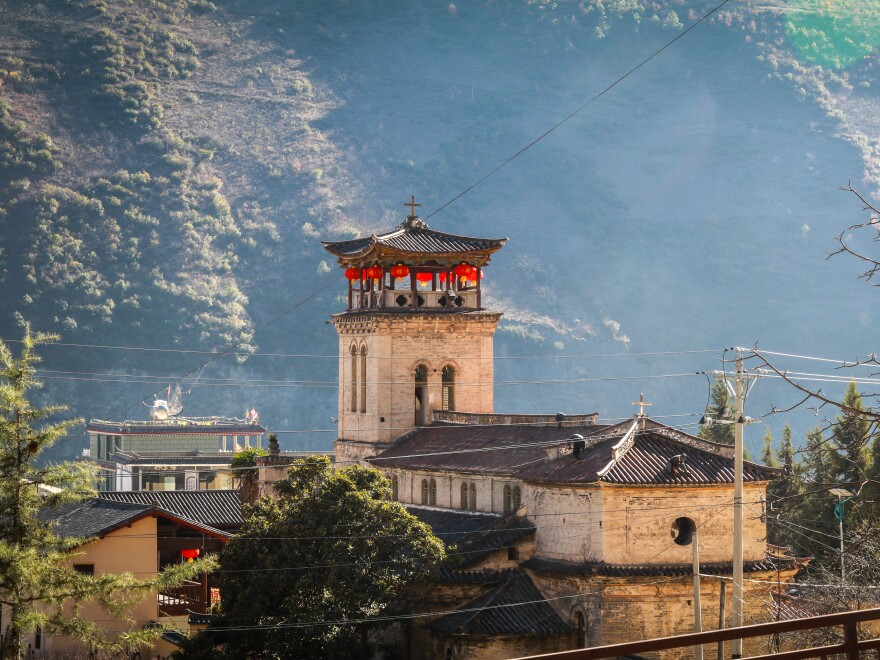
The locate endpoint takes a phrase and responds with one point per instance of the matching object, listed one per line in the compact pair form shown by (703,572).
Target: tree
(782,494)
(812,523)
(37,582)
(332,547)
(768,458)
(247,480)
(851,462)
(719,408)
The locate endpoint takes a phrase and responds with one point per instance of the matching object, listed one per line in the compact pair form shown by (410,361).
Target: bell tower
(415,337)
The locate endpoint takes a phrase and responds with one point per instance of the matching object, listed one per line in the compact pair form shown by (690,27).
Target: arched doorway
(579,630)
(421,399)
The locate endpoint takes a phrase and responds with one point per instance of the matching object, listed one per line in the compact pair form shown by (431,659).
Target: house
(173,453)
(138,538)
(561,529)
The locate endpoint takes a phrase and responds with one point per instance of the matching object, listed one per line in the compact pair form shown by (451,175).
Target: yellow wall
(131,549)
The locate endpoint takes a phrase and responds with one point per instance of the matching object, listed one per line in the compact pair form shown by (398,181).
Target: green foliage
(851,434)
(22,154)
(720,407)
(344,551)
(768,458)
(37,581)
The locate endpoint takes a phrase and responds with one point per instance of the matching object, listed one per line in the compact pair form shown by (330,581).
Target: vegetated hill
(168,168)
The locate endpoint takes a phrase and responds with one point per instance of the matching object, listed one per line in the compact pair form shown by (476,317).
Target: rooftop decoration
(413,267)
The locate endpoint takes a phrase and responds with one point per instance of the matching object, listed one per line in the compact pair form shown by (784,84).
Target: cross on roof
(641,403)
(412,206)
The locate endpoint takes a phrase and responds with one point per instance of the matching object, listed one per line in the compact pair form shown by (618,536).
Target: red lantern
(443,277)
(190,554)
(374,272)
(424,277)
(399,270)
(463,270)
(353,273)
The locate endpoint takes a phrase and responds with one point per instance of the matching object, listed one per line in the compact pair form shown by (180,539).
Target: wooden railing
(850,648)
(188,597)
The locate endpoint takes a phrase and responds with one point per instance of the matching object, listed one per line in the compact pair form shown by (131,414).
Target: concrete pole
(722,615)
(842,566)
(698,614)
(737,618)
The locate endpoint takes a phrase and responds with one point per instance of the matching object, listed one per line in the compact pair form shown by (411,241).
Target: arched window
(394,489)
(421,402)
(517,498)
(363,379)
(464,495)
(425,492)
(579,628)
(450,653)
(448,402)
(473,498)
(354,369)
(433,493)
(507,499)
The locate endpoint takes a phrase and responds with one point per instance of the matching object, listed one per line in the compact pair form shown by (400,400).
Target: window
(38,638)
(513,552)
(421,400)
(394,489)
(580,630)
(354,368)
(425,493)
(517,498)
(507,499)
(363,379)
(433,493)
(448,402)
(464,496)
(473,498)
(85,569)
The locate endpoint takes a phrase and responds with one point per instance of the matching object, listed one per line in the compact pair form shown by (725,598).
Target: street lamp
(838,512)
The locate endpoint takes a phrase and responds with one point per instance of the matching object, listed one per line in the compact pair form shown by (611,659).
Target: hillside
(168,169)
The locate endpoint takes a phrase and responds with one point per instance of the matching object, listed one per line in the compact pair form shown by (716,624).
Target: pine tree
(719,408)
(851,462)
(768,458)
(782,495)
(814,519)
(38,586)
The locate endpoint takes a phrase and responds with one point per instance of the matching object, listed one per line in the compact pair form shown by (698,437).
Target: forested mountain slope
(167,170)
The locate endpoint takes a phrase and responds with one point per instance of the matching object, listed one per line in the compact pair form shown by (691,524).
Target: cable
(582,107)
(842,363)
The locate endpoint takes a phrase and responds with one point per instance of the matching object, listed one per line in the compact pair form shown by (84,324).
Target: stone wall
(396,343)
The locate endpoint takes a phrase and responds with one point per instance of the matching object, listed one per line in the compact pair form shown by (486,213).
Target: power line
(579,109)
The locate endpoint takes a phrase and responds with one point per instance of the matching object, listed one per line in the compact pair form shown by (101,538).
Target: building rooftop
(474,534)
(413,237)
(96,517)
(624,453)
(177,426)
(215,508)
(515,607)
(560,567)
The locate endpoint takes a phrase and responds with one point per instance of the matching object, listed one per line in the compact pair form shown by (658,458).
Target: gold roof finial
(412,206)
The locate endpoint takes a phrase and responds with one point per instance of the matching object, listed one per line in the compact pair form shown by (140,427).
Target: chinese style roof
(515,607)
(475,535)
(177,426)
(98,517)
(413,238)
(216,508)
(636,452)
(477,449)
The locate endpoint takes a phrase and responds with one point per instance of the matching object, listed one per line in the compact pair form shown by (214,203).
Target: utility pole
(838,512)
(698,616)
(737,605)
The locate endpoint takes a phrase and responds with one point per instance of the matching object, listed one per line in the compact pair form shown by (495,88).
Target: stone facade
(389,347)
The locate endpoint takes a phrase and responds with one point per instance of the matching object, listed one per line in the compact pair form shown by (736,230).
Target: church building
(560,528)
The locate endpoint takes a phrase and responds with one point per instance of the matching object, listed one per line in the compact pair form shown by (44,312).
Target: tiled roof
(490,449)
(449,575)
(475,535)
(414,238)
(96,517)
(647,461)
(620,454)
(515,607)
(560,567)
(216,508)
(180,426)
(92,517)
